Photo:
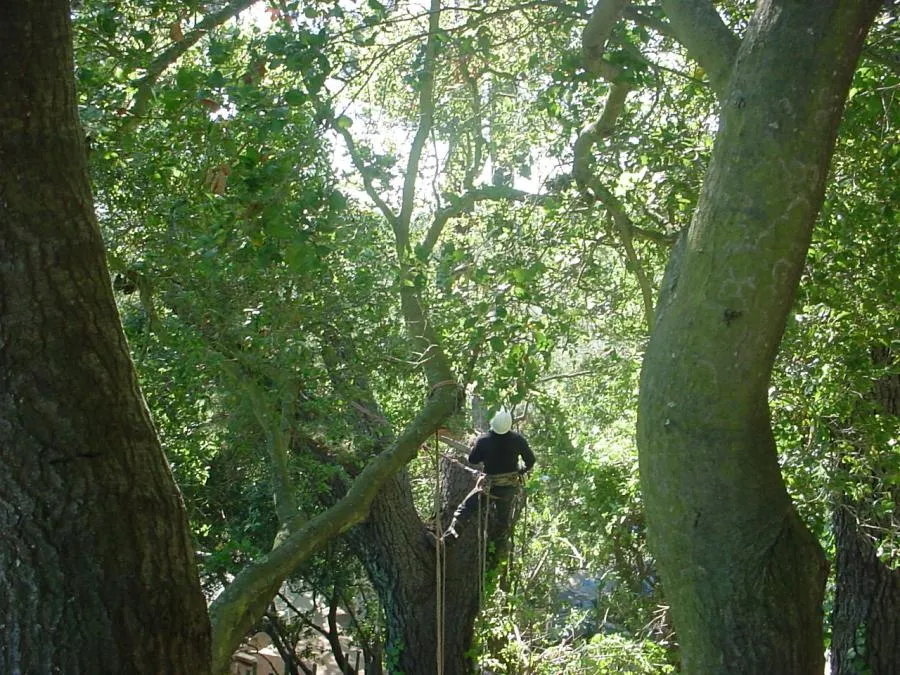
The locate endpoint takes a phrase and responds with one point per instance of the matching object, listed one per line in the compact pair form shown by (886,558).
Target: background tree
(833,396)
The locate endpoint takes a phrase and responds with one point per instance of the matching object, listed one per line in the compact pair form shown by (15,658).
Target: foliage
(836,437)
(259,279)
(606,655)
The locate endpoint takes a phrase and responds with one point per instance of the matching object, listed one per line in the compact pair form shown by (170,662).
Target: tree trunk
(399,552)
(744,576)
(96,564)
(866,618)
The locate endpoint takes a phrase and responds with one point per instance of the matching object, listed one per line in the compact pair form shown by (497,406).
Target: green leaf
(295,97)
(215,79)
(276,44)
(343,122)
(187,78)
(279,228)
(107,24)
(144,37)
(300,257)
(337,201)
(218,52)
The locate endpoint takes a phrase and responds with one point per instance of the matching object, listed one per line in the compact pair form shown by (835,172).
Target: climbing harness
(511,479)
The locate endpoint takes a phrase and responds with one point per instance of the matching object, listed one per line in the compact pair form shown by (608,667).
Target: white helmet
(501,422)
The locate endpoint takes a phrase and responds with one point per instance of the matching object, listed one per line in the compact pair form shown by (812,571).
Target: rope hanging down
(483,483)
(439,561)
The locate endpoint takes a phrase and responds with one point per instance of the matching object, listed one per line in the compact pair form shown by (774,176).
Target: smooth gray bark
(707,39)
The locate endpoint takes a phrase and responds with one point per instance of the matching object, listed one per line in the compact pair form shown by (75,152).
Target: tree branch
(698,26)
(465,203)
(365,174)
(426,119)
(593,132)
(333,634)
(243,601)
(278,431)
(625,228)
(623,225)
(453,443)
(594,38)
(477,163)
(596,34)
(567,376)
(175,51)
(278,441)
(648,21)
(424,338)
(593,44)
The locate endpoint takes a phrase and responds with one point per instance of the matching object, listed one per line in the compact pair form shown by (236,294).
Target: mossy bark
(744,576)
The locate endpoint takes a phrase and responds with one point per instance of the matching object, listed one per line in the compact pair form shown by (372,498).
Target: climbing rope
(439,561)
(483,506)
(511,479)
(484,483)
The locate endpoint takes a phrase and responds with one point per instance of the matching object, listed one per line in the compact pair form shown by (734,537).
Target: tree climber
(499,449)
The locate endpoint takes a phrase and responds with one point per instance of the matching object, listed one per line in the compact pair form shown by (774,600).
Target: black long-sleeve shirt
(500,452)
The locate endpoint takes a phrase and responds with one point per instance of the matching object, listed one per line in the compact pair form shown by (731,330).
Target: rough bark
(96,565)
(865,624)
(399,553)
(744,576)
(866,619)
